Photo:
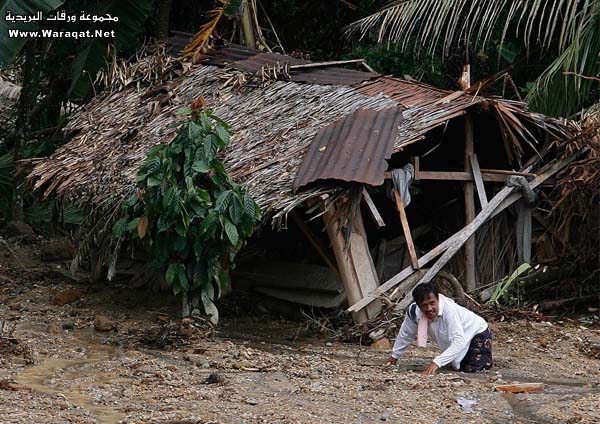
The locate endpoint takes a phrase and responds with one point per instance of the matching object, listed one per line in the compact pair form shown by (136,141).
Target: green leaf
(152,181)
(210,147)
(180,244)
(203,195)
(232,233)
(194,131)
(222,202)
(133,224)
(184,111)
(235,209)
(249,206)
(182,277)
(208,225)
(170,274)
(222,137)
(119,228)
(508,52)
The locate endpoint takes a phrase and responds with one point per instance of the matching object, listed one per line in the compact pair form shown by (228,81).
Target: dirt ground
(258,369)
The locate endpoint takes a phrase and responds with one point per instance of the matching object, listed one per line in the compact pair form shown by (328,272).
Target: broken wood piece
(354,261)
(372,209)
(520,387)
(478,180)
(406,229)
(488,175)
(550,170)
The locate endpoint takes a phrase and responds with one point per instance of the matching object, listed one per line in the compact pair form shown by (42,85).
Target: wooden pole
(355,264)
(406,229)
(465,82)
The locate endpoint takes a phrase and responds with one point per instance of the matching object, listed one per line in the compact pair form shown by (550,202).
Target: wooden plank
(520,387)
(315,242)
(455,176)
(469,188)
(478,180)
(355,265)
(372,209)
(442,247)
(406,229)
(507,172)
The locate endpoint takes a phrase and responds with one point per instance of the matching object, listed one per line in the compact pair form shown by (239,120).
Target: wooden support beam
(478,180)
(488,175)
(406,229)
(372,209)
(315,242)
(355,264)
(442,247)
(470,271)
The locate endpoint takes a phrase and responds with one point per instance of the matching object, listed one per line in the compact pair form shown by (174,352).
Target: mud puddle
(63,377)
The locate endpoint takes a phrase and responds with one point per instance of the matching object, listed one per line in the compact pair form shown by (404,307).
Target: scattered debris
(520,387)
(467,404)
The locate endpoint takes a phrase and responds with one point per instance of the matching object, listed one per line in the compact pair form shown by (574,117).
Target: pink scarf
(422,331)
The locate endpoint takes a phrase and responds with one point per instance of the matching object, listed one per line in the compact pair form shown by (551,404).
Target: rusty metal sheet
(323,76)
(256,62)
(354,148)
(408,93)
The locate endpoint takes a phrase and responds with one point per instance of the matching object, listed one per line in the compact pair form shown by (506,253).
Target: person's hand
(391,361)
(431,369)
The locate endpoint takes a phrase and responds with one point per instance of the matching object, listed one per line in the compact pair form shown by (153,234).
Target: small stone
(382,344)
(102,323)
(58,250)
(214,378)
(66,296)
(53,329)
(68,326)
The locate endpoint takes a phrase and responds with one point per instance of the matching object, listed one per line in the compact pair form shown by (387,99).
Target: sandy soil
(262,370)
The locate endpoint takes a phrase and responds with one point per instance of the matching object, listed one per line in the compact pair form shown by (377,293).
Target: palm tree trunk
(163,19)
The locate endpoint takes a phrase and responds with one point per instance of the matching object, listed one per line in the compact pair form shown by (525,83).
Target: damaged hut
(397,172)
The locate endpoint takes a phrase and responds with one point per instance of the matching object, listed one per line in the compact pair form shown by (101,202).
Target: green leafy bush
(188,212)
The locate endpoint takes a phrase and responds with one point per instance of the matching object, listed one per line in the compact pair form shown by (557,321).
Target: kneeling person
(462,335)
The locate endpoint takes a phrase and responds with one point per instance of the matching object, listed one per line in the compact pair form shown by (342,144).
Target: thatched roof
(273,123)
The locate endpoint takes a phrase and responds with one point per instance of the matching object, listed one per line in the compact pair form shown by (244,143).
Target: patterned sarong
(479,355)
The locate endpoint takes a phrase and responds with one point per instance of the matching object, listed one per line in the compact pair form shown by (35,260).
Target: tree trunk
(27,100)
(163,20)
(247,26)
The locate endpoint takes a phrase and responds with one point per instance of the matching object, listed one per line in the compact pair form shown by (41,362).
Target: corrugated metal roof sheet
(249,60)
(354,148)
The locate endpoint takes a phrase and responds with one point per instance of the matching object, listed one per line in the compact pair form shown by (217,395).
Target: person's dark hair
(422,290)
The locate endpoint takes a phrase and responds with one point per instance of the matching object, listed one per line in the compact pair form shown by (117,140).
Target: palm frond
(572,79)
(229,9)
(435,23)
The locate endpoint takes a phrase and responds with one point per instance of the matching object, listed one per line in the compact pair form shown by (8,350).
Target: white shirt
(453,330)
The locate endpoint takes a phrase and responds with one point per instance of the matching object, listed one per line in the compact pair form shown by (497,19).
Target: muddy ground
(257,368)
